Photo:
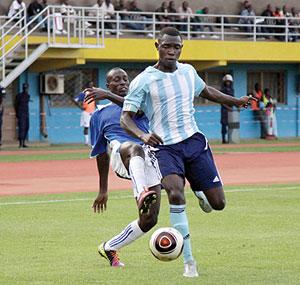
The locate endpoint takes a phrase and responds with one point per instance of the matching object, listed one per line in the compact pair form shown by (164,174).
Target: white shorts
(153,175)
(85,119)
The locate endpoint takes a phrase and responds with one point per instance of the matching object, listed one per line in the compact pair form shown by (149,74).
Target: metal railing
(16,31)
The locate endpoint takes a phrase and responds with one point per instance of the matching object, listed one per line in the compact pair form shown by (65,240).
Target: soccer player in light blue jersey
(165,93)
(128,158)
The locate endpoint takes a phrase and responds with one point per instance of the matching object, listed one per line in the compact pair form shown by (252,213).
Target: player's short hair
(171,31)
(108,74)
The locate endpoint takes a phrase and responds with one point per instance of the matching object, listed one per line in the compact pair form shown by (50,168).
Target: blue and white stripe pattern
(167,101)
(121,237)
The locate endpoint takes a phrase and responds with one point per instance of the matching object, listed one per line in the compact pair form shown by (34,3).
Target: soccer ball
(166,244)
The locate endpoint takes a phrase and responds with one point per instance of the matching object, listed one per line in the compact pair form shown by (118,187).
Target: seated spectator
(270,107)
(135,19)
(107,9)
(34,9)
(68,14)
(293,25)
(204,11)
(185,13)
(162,17)
(268,21)
(247,13)
(278,14)
(120,6)
(15,7)
(172,10)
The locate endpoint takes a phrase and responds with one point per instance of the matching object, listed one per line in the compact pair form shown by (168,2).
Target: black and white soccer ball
(166,244)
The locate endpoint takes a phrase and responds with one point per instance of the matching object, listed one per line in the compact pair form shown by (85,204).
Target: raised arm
(95,94)
(103,169)
(215,95)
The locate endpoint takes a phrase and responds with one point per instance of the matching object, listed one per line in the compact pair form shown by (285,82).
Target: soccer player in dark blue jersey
(128,158)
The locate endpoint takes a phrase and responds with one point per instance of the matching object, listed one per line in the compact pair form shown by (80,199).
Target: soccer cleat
(110,255)
(146,199)
(203,202)
(190,269)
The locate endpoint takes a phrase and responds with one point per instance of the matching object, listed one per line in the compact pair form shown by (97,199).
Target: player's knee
(176,196)
(219,205)
(149,222)
(129,149)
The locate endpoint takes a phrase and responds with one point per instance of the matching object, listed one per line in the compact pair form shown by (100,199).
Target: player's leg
(131,232)
(133,158)
(86,135)
(202,172)
(172,169)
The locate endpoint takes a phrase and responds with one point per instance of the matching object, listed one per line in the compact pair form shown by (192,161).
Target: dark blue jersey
(105,127)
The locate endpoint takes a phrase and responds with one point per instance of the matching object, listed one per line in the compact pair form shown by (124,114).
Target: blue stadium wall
(63,123)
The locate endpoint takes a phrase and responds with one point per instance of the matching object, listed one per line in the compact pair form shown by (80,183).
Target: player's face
(169,49)
(118,83)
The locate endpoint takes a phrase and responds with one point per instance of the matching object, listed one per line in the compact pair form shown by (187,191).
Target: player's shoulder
(185,67)
(147,76)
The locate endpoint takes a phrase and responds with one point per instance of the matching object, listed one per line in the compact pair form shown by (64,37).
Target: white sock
(131,233)
(137,174)
(86,139)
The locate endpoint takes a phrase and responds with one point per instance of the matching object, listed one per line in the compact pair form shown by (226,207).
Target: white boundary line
(131,196)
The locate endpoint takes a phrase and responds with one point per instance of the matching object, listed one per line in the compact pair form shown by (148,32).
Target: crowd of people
(170,15)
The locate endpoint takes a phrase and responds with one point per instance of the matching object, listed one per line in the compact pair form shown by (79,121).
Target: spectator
(15,7)
(44,3)
(226,88)
(120,7)
(247,13)
(22,114)
(162,17)
(2,94)
(293,23)
(278,14)
(204,11)
(268,21)
(258,110)
(172,10)
(87,110)
(185,15)
(270,107)
(34,9)
(109,14)
(134,23)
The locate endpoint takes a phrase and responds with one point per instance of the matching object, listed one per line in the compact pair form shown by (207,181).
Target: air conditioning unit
(52,84)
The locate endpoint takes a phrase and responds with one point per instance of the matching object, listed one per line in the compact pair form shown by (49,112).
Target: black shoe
(24,145)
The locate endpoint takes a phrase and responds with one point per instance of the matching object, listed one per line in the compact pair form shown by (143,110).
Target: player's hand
(100,203)
(94,94)
(151,139)
(245,101)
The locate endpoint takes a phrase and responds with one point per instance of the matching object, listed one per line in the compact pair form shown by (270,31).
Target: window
(274,80)
(211,78)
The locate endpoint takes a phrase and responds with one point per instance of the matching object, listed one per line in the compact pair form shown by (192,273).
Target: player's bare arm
(131,128)
(217,96)
(103,168)
(95,94)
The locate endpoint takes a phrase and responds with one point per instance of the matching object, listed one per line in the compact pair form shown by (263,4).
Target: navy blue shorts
(191,158)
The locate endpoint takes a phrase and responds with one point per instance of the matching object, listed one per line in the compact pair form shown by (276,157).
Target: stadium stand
(88,45)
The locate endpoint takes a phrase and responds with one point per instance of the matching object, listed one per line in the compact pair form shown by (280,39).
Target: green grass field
(52,239)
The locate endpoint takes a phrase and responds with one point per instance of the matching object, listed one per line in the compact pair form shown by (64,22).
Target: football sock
(180,222)
(137,174)
(131,233)
(86,139)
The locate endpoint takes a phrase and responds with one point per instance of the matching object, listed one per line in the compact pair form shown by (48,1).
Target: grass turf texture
(255,240)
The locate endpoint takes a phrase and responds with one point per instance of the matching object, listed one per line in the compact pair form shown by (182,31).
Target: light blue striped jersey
(167,101)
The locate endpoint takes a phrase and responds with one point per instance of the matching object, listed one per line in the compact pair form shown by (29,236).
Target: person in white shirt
(15,7)
(184,11)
